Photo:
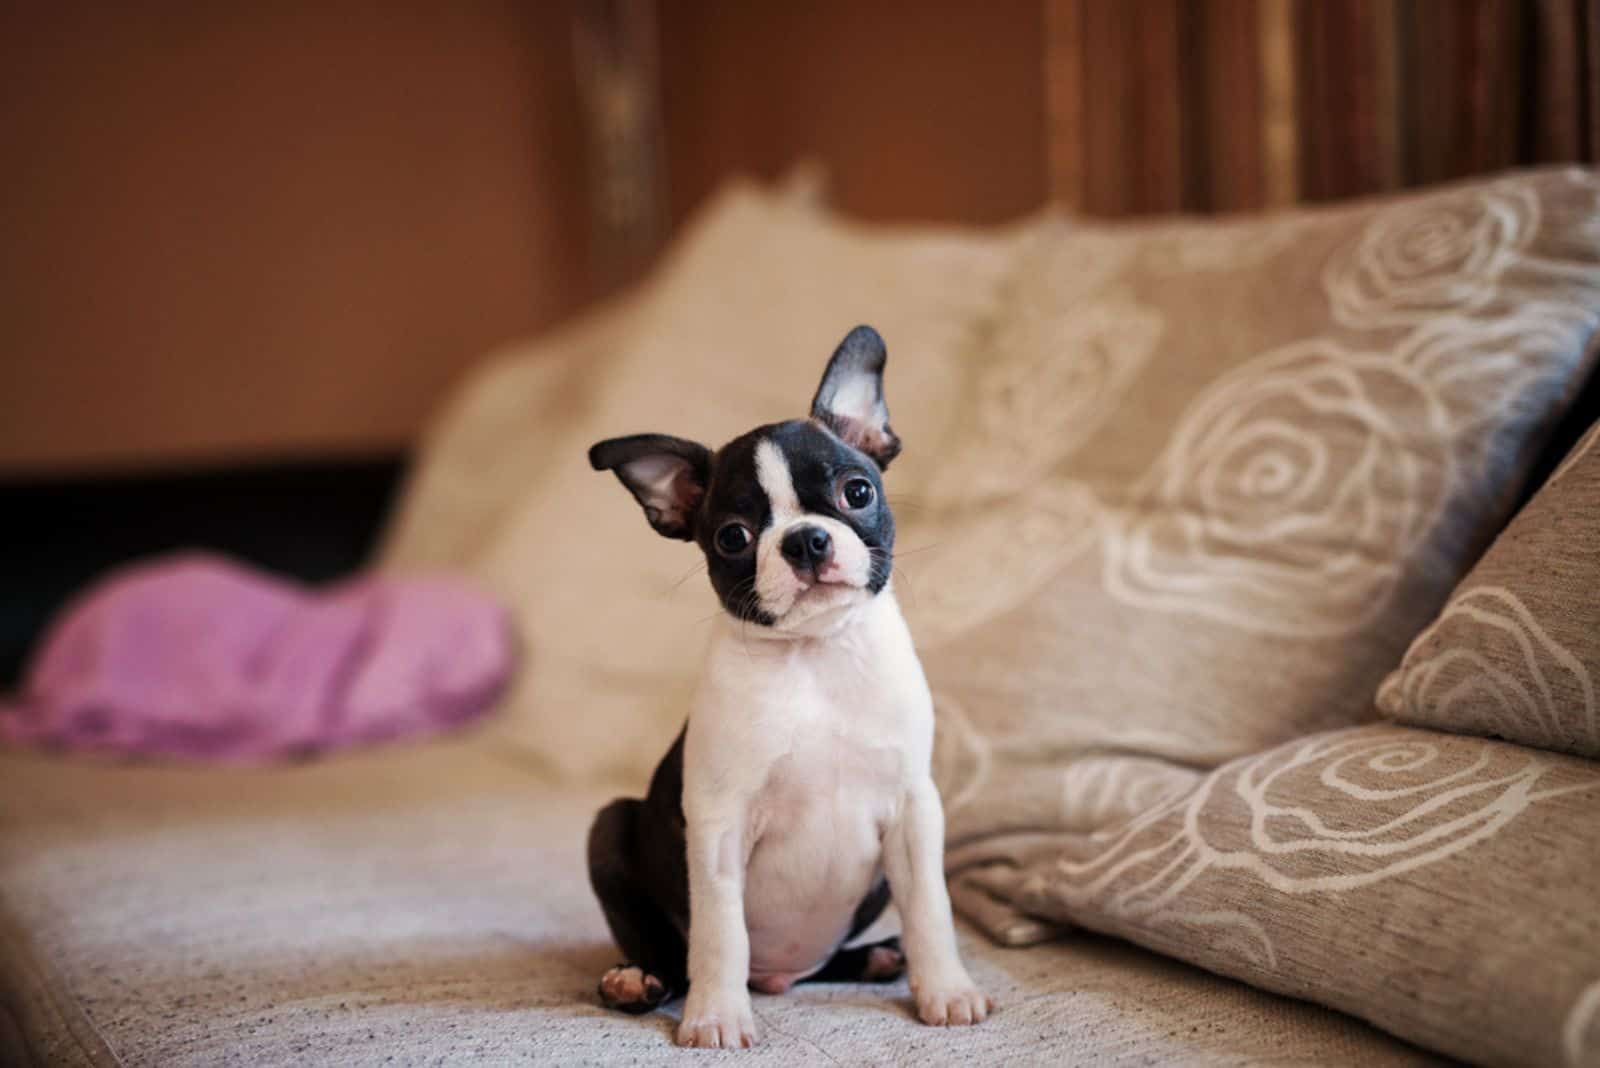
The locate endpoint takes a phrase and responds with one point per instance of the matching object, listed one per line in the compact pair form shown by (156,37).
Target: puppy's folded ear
(666,475)
(850,400)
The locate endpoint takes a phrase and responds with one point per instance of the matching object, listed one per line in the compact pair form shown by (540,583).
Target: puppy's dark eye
(733,538)
(856,494)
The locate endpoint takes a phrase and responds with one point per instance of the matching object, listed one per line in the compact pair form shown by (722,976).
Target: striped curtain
(1220,105)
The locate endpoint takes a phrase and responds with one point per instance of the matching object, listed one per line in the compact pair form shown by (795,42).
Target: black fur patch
(818,462)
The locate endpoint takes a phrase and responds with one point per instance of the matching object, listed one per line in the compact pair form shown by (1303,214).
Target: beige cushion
(1516,652)
(1214,478)
(1441,886)
(732,331)
(428,906)
(1066,396)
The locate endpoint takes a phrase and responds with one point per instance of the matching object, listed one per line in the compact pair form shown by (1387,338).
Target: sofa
(1192,516)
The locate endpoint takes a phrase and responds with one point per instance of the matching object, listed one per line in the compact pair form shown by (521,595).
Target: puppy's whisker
(697,569)
(911,587)
(904,504)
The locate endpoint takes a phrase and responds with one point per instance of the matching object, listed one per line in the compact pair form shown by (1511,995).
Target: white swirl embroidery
(1105,791)
(1547,698)
(1575,1033)
(1497,375)
(1425,258)
(987,562)
(1291,495)
(1335,813)
(1221,245)
(1054,376)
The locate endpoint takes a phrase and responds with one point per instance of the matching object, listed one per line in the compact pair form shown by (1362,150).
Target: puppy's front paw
(953,1003)
(717,1019)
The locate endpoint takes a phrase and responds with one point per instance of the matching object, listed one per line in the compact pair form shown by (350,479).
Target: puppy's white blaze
(776,585)
(772,471)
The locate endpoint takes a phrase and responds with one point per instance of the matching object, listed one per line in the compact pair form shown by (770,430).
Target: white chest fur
(799,755)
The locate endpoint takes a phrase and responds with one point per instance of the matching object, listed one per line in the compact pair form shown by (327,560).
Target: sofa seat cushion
(429,904)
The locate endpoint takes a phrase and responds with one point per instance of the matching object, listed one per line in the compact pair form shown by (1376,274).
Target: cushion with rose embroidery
(1214,478)
(1516,652)
(1439,886)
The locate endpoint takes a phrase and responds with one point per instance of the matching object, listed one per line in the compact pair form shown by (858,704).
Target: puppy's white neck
(841,624)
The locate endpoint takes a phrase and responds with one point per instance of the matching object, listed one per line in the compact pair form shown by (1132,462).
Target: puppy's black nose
(807,546)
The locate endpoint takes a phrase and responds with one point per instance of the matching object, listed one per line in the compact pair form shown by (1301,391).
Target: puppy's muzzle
(808,549)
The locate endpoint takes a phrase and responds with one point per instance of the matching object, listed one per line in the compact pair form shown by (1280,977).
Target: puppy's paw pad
(629,988)
(718,1023)
(884,963)
(953,1006)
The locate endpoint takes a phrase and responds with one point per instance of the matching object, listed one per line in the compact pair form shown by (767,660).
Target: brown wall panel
(1462,92)
(1155,106)
(1226,141)
(1346,97)
(929,110)
(273,228)
(1133,100)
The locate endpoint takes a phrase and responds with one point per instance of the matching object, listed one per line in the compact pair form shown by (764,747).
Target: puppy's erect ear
(850,400)
(666,475)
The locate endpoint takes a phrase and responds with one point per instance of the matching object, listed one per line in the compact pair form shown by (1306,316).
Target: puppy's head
(792,516)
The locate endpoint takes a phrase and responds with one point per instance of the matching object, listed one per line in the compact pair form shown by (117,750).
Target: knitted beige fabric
(430,905)
(1516,652)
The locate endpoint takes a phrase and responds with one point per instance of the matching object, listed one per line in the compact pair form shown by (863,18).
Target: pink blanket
(194,657)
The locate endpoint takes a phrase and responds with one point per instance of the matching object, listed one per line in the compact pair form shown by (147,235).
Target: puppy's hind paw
(885,963)
(629,988)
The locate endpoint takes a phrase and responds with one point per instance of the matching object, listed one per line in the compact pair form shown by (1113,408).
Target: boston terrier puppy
(802,780)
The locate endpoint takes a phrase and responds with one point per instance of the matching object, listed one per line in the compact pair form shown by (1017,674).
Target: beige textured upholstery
(429,905)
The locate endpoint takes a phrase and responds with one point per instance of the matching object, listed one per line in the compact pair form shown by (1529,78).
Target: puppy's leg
(656,955)
(717,1013)
(913,857)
